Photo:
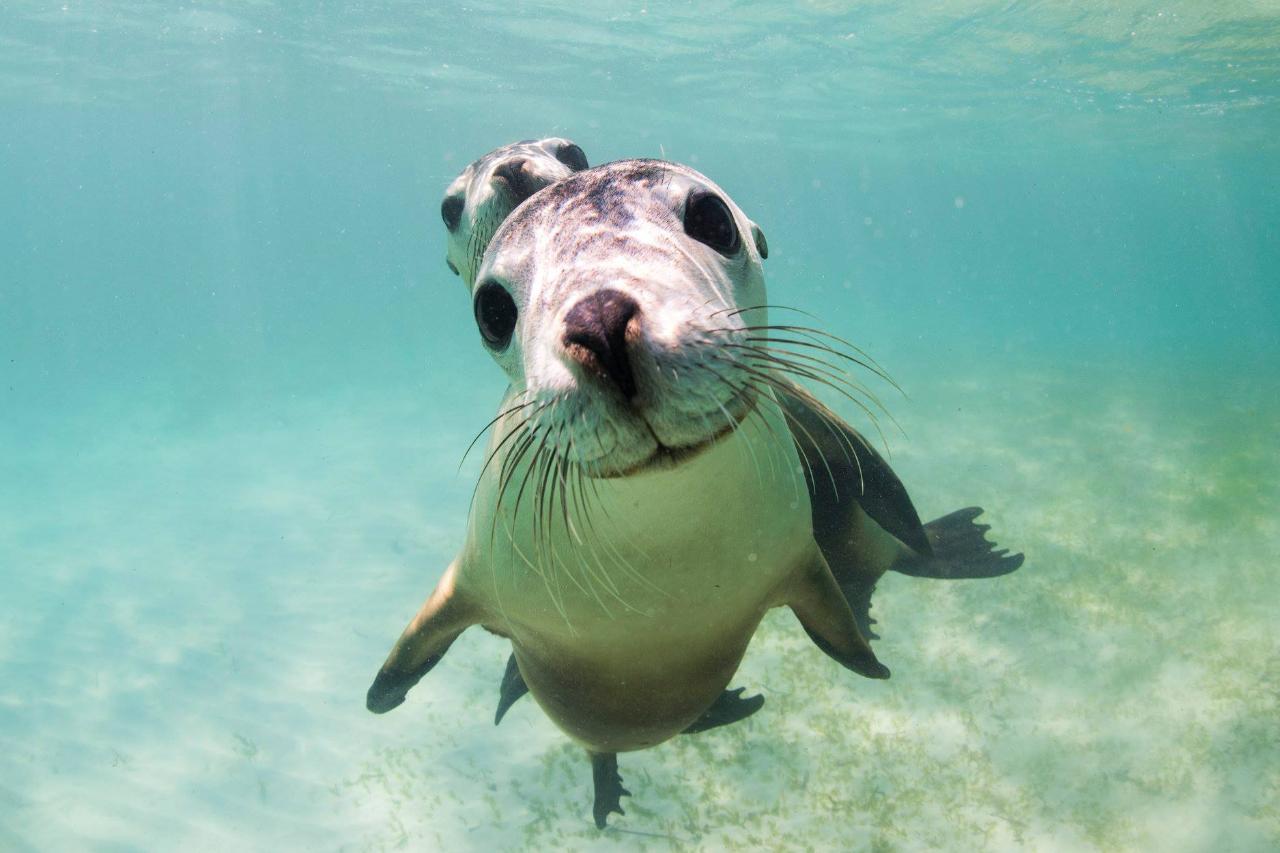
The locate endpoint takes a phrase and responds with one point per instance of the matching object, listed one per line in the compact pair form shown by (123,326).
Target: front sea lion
(647,494)
(475,203)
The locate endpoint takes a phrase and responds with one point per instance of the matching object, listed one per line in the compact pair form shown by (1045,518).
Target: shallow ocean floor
(194,612)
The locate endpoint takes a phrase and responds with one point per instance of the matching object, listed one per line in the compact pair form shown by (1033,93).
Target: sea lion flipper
(608,785)
(960,550)
(445,614)
(857,591)
(842,468)
(820,606)
(512,688)
(729,707)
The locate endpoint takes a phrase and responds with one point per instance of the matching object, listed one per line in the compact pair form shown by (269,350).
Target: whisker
(507,470)
(545,498)
(485,428)
(817,339)
(612,550)
(816,345)
(770,381)
(786,358)
(734,312)
(805,373)
(814,335)
(755,459)
(834,425)
(824,374)
(524,423)
(507,473)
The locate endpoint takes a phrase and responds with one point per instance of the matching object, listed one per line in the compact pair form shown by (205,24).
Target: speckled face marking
(613,297)
(486,192)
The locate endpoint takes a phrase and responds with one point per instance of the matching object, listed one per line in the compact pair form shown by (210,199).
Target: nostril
(604,313)
(596,336)
(516,174)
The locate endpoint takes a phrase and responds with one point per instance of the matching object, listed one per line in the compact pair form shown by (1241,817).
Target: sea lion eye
(495,314)
(572,156)
(707,219)
(451,211)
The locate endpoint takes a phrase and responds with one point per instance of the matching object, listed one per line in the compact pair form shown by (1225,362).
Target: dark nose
(595,334)
(519,179)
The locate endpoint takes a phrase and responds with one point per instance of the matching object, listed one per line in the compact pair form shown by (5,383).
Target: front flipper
(444,616)
(512,688)
(729,707)
(843,469)
(609,790)
(820,606)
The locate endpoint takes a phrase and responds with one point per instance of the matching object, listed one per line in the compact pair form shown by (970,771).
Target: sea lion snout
(519,178)
(597,330)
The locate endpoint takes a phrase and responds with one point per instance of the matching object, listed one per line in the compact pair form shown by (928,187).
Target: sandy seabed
(194,609)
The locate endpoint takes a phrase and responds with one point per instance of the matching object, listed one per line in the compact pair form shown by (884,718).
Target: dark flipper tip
(390,686)
(608,785)
(387,691)
(876,670)
(865,663)
(729,707)
(960,550)
(513,687)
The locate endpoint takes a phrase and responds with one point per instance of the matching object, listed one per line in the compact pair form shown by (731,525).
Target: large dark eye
(572,156)
(495,314)
(451,211)
(707,219)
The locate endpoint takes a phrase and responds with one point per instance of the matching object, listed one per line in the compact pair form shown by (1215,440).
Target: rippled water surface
(236,381)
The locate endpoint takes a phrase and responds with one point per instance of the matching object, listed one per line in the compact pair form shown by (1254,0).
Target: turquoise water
(238,379)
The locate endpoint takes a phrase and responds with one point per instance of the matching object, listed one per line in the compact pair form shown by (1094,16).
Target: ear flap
(762,245)
(572,156)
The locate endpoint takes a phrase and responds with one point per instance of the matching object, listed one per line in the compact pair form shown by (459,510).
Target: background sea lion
(487,190)
(666,508)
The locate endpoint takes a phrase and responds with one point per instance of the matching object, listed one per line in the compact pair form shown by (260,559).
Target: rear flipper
(729,707)
(857,591)
(513,687)
(609,790)
(960,550)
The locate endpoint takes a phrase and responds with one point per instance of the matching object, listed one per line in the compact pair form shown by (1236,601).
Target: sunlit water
(237,380)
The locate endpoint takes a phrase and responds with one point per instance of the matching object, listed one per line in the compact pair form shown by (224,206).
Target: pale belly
(630,607)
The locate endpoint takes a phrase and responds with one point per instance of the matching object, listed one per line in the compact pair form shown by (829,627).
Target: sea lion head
(483,195)
(619,301)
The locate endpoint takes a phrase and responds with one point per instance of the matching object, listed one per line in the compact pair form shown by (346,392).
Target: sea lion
(479,199)
(651,482)
(475,203)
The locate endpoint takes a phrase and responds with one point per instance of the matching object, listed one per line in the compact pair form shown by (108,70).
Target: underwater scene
(1018,256)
